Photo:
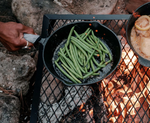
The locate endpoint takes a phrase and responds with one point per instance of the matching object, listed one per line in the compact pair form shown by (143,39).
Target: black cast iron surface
(108,37)
(50,24)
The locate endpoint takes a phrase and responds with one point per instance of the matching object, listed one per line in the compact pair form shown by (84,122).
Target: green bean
(86,67)
(68,40)
(85,70)
(100,53)
(68,53)
(110,58)
(83,34)
(81,61)
(98,64)
(57,59)
(90,73)
(67,60)
(104,48)
(70,69)
(98,40)
(89,57)
(93,35)
(75,57)
(92,65)
(78,55)
(71,74)
(79,47)
(81,55)
(95,74)
(84,42)
(63,49)
(66,74)
(69,36)
(89,41)
(86,34)
(85,47)
(74,60)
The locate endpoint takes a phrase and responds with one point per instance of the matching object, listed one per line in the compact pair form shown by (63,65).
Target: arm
(11,35)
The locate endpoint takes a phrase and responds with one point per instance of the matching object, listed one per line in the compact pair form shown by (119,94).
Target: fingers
(12,36)
(25,43)
(28,30)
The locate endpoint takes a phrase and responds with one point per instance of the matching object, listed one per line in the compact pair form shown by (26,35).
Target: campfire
(126,93)
(124,96)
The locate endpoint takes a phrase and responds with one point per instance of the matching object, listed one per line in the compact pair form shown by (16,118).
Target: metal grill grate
(122,97)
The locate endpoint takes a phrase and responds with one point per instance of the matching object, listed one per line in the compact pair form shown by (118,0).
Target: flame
(124,99)
(129,59)
(81,108)
(91,113)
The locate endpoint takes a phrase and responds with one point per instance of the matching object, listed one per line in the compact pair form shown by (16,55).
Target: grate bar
(88,17)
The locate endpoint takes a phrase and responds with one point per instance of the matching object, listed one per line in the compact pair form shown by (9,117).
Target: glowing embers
(81,108)
(87,113)
(126,93)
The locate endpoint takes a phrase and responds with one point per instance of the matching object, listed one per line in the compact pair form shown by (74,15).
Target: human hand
(11,35)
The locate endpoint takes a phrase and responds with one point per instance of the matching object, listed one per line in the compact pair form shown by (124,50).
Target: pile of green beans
(78,57)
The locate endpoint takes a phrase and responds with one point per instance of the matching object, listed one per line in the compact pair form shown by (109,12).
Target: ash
(72,98)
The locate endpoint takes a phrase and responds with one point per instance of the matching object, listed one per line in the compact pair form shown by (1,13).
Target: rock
(88,6)
(121,24)
(132,5)
(70,100)
(31,12)
(120,8)
(9,109)
(6,12)
(50,84)
(15,72)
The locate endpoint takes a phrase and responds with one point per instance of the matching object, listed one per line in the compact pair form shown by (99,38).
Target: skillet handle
(30,37)
(35,39)
(144,62)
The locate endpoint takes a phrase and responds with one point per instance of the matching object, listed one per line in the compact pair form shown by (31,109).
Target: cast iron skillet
(54,41)
(142,10)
